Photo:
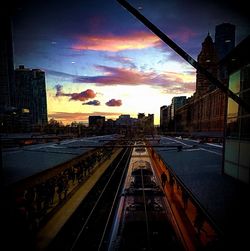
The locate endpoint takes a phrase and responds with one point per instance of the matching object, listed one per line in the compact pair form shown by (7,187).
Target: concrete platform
(22,162)
(53,226)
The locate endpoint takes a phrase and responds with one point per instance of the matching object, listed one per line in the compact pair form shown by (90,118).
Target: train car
(143,220)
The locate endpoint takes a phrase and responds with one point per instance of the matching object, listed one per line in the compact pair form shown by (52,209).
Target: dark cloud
(122,60)
(92,102)
(114,102)
(64,75)
(82,96)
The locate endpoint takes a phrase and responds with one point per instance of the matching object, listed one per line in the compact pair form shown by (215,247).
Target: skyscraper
(6,63)
(163,117)
(208,59)
(176,103)
(224,39)
(30,94)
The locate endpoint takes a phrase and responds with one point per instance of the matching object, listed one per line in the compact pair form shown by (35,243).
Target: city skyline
(99,60)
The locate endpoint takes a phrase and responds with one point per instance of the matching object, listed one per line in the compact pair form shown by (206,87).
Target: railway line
(129,208)
(143,220)
(89,226)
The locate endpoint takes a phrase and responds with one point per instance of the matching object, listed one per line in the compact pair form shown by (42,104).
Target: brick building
(204,113)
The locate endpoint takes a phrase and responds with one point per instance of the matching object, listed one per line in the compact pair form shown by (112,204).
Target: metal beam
(184,54)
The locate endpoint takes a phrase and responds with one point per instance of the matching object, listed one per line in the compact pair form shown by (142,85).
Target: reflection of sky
(233,108)
(91,45)
(234,82)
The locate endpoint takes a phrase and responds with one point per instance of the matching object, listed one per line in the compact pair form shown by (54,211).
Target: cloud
(114,102)
(130,76)
(183,34)
(92,102)
(126,76)
(133,41)
(123,60)
(180,89)
(82,96)
(65,76)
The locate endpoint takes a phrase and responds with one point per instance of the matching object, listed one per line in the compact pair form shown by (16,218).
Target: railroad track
(88,228)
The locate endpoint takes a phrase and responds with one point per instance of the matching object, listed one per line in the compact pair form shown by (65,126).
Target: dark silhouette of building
(6,62)
(145,123)
(23,101)
(163,118)
(224,43)
(203,115)
(96,121)
(224,39)
(176,103)
(30,94)
(208,59)
(6,70)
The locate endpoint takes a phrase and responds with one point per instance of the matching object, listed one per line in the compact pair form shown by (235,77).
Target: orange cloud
(126,76)
(82,96)
(114,43)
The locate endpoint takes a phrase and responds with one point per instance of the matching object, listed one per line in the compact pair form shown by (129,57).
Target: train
(143,219)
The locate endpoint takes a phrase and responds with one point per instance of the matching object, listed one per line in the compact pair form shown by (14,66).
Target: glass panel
(234,82)
(245,78)
(233,108)
(232,127)
(245,129)
(246,97)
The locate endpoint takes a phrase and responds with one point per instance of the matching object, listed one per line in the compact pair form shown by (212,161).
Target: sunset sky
(100,60)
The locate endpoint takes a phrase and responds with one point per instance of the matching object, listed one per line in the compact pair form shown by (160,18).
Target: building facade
(30,94)
(6,72)
(204,113)
(207,58)
(6,63)
(224,39)
(163,118)
(237,133)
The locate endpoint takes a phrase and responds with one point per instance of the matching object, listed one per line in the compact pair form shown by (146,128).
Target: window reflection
(245,78)
(246,97)
(233,109)
(245,132)
(232,127)
(234,82)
